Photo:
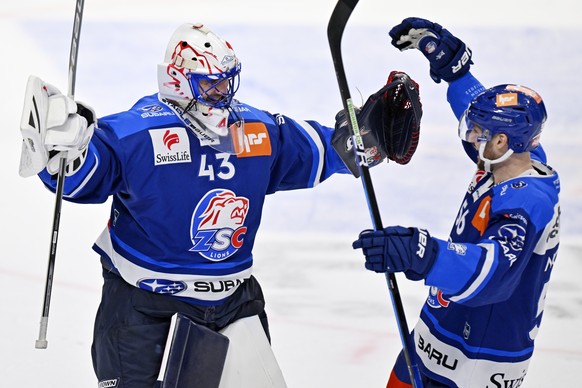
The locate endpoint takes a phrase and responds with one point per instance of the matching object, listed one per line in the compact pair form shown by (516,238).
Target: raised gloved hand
(398,249)
(53,125)
(449,57)
(389,124)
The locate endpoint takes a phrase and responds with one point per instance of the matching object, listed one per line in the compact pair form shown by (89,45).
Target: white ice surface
(332,322)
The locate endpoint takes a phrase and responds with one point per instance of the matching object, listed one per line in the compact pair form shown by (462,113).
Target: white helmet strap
(489,162)
(203,135)
(185,62)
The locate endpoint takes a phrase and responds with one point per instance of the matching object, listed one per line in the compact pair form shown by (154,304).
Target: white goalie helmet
(200,76)
(198,66)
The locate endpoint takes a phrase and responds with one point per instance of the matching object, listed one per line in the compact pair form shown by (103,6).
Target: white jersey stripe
(200,287)
(317,146)
(485,270)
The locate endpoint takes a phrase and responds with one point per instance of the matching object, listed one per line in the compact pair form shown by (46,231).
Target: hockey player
(488,281)
(188,169)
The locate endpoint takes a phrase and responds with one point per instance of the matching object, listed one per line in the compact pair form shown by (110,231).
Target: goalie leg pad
(194,355)
(250,361)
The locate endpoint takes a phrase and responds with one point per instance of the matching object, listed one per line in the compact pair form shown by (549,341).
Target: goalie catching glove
(389,125)
(53,126)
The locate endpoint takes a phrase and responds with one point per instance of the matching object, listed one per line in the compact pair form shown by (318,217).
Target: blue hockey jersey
(184,216)
(489,281)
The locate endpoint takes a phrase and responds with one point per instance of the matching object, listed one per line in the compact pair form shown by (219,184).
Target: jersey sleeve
(459,95)
(100,175)
(304,157)
(461,92)
(485,272)
(539,154)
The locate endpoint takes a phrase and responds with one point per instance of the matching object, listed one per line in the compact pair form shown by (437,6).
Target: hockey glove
(53,125)
(398,249)
(401,116)
(449,57)
(343,142)
(389,125)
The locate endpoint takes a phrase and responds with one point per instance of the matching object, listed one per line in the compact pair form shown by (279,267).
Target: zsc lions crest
(218,230)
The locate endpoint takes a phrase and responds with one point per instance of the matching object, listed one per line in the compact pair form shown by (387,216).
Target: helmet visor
(233,141)
(471,132)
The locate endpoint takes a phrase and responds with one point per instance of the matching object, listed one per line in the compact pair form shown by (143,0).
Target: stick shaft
(41,342)
(335,30)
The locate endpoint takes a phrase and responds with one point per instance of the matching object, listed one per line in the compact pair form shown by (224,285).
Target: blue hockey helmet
(514,110)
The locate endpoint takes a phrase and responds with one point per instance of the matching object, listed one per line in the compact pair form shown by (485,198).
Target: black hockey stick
(335,29)
(41,342)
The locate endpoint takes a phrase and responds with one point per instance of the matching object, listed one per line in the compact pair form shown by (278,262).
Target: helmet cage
(215,90)
(199,68)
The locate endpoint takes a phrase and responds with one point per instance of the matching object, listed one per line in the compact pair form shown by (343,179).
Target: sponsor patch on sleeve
(257,141)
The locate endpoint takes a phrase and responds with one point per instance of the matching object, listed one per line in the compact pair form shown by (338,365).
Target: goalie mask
(198,80)
(514,110)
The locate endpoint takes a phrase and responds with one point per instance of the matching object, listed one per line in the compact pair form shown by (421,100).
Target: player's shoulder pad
(252,114)
(149,112)
(532,195)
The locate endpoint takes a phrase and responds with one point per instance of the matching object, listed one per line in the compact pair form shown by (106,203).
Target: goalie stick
(41,342)
(335,29)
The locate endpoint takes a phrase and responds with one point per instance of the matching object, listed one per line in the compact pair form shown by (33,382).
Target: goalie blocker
(51,124)
(389,125)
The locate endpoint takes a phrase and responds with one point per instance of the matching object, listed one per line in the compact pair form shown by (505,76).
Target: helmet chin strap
(488,163)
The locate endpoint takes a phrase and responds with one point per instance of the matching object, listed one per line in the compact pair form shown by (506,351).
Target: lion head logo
(218,230)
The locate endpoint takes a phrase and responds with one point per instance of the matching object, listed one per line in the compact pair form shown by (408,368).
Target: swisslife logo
(171,145)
